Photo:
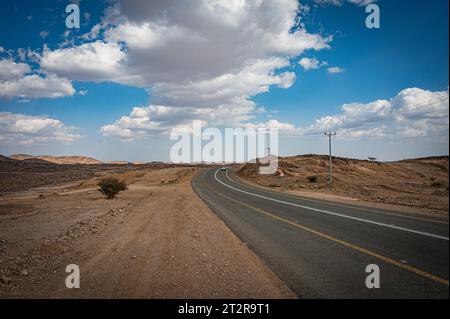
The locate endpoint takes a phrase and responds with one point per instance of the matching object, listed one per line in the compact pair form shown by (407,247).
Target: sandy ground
(419,186)
(156,240)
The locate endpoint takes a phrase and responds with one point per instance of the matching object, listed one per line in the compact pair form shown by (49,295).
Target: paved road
(321,249)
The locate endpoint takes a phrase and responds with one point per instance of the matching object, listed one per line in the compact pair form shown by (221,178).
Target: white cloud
(95,61)
(9,70)
(412,113)
(22,54)
(252,79)
(154,120)
(178,42)
(311,64)
(191,54)
(283,128)
(335,70)
(26,129)
(15,81)
(34,86)
(146,36)
(157,120)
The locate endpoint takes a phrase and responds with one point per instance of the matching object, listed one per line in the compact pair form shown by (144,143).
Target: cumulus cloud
(311,63)
(15,81)
(179,42)
(26,129)
(282,127)
(157,120)
(154,120)
(9,70)
(190,55)
(35,86)
(335,70)
(95,61)
(254,78)
(412,113)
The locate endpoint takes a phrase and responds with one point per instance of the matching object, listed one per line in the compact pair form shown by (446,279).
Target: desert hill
(6,159)
(420,182)
(21,157)
(58,160)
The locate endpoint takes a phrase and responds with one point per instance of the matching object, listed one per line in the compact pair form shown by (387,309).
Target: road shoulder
(341,200)
(156,240)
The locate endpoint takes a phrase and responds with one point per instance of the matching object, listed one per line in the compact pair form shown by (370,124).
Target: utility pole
(330,134)
(268,143)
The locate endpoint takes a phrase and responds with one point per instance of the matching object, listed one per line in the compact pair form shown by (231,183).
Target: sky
(135,70)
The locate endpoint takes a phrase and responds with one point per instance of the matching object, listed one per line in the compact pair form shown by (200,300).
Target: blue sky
(410,50)
(89,83)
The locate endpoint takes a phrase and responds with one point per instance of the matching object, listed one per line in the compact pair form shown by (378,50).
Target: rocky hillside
(417,182)
(59,160)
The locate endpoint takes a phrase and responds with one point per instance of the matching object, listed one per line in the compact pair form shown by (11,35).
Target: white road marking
(361,208)
(328,212)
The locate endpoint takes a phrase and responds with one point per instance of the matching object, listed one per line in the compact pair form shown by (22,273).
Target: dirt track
(156,240)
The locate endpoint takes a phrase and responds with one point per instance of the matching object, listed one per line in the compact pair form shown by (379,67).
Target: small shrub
(312,179)
(111,186)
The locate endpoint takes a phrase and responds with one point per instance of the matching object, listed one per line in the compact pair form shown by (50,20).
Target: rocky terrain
(417,183)
(157,239)
(26,173)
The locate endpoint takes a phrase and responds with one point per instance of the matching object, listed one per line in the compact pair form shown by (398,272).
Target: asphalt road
(321,249)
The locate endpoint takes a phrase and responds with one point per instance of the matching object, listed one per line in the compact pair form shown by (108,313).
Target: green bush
(312,179)
(111,186)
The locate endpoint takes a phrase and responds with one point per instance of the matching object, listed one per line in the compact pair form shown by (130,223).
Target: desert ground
(155,240)
(416,185)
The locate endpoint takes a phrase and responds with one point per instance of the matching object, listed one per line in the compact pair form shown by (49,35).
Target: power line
(331,134)
(414,108)
(423,104)
(320,133)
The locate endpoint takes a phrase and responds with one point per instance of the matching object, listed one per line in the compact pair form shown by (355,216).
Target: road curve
(321,249)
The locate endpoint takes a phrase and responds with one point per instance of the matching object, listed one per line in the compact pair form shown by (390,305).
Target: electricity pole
(268,143)
(330,134)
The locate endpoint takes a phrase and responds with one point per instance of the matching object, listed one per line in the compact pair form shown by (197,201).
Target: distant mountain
(118,163)
(6,159)
(58,160)
(21,157)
